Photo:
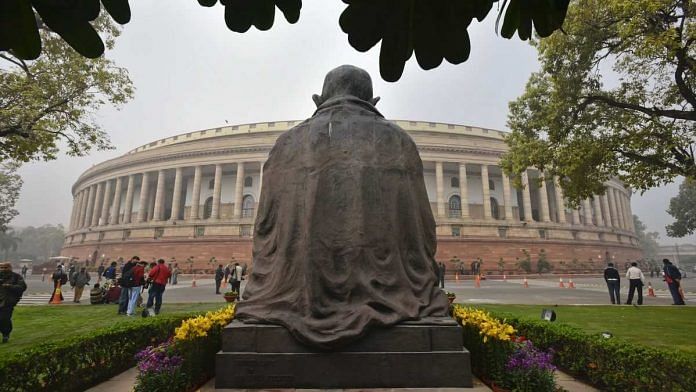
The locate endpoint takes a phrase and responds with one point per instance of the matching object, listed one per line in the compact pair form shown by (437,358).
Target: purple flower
(527,357)
(158,359)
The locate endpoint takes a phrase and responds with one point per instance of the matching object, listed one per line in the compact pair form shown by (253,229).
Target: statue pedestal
(416,354)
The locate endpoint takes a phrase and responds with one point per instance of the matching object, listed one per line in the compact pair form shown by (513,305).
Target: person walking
(110,272)
(159,276)
(236,279)
(81,280)
(175,274)
(673,280)
(126,283)
(635,280)
(441,274)
(100,272)
(611,276)
(138,280)
(24,271)
(12,286)
(228,271)
(219,275)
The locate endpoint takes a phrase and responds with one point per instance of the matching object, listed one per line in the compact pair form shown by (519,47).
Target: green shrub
(610,364)
(83,361)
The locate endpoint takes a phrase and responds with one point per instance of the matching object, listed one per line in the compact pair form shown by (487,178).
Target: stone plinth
(416,354)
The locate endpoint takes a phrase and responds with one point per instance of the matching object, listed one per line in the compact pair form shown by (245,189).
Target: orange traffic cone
(57,297)
(571,285)
(478,281)
(193,282)
(526,285)
(560,283)
(651,292)
(456,276)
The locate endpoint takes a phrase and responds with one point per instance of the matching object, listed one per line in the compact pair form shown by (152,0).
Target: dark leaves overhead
(435,30)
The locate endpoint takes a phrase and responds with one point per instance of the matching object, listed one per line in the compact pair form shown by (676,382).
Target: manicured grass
(43,324)
(658,326)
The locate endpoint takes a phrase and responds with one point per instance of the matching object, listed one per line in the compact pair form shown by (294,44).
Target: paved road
(540,291)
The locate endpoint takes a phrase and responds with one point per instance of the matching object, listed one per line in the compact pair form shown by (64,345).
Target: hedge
(83,361)
(609,364)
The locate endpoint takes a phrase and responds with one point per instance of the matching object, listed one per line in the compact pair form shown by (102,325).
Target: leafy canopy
(433,29)
(614,97)
(10,184)
(647,240)
(50,101)
(683,209)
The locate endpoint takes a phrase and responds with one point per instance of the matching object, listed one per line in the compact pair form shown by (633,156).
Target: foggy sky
(191,73)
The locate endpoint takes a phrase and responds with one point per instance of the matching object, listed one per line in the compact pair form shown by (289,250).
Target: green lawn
(43,324)
(659,326)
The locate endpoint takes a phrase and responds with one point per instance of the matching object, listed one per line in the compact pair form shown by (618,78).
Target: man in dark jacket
(158,277)
(126,284)
(613,279)
(673,280)
(219,275)
(12,287)
(60,278)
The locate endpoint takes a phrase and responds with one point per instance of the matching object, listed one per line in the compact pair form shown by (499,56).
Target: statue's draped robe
(344,237)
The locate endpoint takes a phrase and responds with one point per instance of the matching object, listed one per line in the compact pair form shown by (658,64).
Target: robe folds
(344,239)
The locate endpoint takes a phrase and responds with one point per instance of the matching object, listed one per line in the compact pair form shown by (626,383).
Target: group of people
(137,276)
(78,279)
(636,279)
(232,274)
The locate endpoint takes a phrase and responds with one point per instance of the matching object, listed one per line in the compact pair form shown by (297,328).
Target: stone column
(617,208)
(464,190)
(260,181)
(239,190)
(159,196)
(439,189)
(526,198)
(560,200)
(217,189)
(176,197)
(116,205)
(576,217)
(75,220)
(508,197)
(90,206)
(624,213)
(544,201)
(486,193)
(150,213)
(97,204)
(106,204)
(83,207)
(631,222)
(605,207)
(128,207)
(196,197)
(588,212)
(598,211)
(143,201)
(612,207)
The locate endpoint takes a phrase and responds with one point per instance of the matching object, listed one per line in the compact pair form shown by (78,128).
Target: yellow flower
(488,326)
(199,326)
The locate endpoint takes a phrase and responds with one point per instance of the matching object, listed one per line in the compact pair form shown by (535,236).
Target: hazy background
(191,72)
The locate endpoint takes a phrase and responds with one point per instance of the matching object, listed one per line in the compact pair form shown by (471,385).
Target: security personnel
(611,276)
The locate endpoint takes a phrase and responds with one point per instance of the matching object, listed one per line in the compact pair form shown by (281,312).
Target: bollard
(478,281)
(571,285)
(560,283)
(193,282)
(526,285)
(651,292)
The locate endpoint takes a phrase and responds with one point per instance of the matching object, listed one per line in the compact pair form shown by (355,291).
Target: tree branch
(654,111)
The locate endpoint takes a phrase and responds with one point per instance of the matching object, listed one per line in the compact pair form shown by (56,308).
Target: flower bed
(83,361)
(187,359)
(610,364)
(499,358)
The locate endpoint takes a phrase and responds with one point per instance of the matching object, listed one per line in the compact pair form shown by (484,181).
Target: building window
(211,184)
(271,124)
(101,236)
(495,208)
(159,232)
(199,231)
(245,230)
(542,234)
(491,185)
(82,238)
(455,207)
(248,181)
(454,182)
(208,208)
(126,234)
(248,206)
(502,232)
(450,126)
(456,231)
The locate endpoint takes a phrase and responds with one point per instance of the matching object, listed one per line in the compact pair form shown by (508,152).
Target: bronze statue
(344,238)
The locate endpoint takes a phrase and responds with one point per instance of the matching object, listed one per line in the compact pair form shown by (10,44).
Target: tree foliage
(614,97)
(10,184)
(37,243)
(8,242)
(646,240)
(51,100)
(435,30)
(683,209)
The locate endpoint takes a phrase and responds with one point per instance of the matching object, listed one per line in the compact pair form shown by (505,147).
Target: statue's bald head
(346,80)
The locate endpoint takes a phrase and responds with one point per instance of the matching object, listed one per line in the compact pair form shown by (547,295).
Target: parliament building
(192,197)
